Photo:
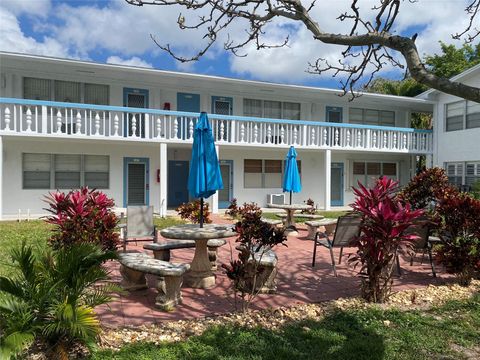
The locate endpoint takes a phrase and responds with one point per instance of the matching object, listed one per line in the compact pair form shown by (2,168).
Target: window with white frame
(371,117)
(65,171)
(271,109)
(461,115)
(463,173)
(65,91)
(367,172)
(265,173)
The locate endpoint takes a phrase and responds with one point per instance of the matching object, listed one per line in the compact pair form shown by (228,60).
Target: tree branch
(365,54)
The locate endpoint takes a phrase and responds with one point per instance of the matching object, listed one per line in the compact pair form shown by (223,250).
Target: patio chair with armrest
(139,225)
(424,242)
(348,227)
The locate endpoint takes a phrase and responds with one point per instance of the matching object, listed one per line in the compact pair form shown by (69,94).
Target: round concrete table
(200,274)
(290,209)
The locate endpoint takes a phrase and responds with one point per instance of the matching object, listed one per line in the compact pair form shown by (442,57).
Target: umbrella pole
(290,198)
(201,212)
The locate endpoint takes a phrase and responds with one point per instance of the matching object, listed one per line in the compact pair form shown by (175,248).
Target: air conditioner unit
(277,199)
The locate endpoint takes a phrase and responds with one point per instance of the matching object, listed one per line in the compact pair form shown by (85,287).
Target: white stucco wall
(452,146)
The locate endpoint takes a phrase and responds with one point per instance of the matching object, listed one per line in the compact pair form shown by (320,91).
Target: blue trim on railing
(212,116)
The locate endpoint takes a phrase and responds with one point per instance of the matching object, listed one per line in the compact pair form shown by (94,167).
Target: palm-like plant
(50,297)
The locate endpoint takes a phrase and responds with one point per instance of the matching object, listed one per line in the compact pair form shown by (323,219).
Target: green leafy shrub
(50,298)
(232,209)
(426,188)
(312,210)
(459,216)
(385,221)
(82,216)
(255,239)
(191,212)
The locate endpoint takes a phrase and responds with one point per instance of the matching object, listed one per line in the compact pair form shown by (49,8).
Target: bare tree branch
(370,44)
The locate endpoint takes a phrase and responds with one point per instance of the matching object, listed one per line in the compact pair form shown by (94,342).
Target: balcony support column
(163,179)
(328,177)
(215,196)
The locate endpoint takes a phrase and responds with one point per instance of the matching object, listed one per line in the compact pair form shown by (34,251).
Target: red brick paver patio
(297,282)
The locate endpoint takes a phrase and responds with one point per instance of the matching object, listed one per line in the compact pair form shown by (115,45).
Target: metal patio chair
(423,243)
(139,225)
(348,227)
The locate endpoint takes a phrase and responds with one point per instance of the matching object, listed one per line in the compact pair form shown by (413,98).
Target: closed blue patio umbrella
(291,179)
(204,178)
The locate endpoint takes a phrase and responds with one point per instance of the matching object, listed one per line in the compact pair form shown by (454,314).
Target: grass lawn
(448,332)
(37,232)
(327,214)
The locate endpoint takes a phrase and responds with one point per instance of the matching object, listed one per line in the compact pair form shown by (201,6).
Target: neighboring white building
(128,131)
(456,131)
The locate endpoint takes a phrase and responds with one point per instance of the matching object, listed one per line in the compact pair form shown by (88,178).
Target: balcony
(21,117)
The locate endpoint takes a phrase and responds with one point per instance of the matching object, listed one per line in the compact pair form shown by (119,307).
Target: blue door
(226,194)
(336,184)
(136,184)
(334,114)
(137,98)
(177,183)
(188,103)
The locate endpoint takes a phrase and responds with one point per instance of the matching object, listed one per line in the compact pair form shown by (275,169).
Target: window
(253,173)
(37,89)
(291,111)
(463,173)
(96,94)
(252,107)
(65,171)
(65,91)
(371,117)
(368,172)
(271,109)
(454,118)
(96,171)
(273,173)
(36,171)
(461,115)
(473,115)
(265,173)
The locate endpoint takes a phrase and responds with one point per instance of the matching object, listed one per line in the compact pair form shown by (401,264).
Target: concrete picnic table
(290,209)
(200,275)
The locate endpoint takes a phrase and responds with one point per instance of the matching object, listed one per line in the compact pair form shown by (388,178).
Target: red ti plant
(385,221)
(82,216)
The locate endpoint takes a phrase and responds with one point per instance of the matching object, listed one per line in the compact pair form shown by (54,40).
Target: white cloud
(12,39)
(133,61)
(39,8)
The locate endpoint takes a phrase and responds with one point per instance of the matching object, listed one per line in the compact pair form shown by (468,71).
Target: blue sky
(113,31)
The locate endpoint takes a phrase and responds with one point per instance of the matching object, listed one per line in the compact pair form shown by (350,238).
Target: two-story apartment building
(457,132)
(128,131)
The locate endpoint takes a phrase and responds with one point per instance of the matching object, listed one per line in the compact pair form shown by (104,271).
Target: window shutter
(67,91)
(97,94)
(454,116)
(355,115)
(67,171)
(37,89)
(291,111)
(272,109)
(96,169)
(252,108)
(36,171)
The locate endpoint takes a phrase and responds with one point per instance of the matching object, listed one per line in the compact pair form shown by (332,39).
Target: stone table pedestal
(200,274)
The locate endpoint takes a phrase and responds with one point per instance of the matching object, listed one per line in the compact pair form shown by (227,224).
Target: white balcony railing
(84,121)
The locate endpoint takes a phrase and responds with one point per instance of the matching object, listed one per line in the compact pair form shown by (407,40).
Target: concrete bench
(266,278)
(272,222)
(161,250)
(302,216)
(133,268)
(313,226)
